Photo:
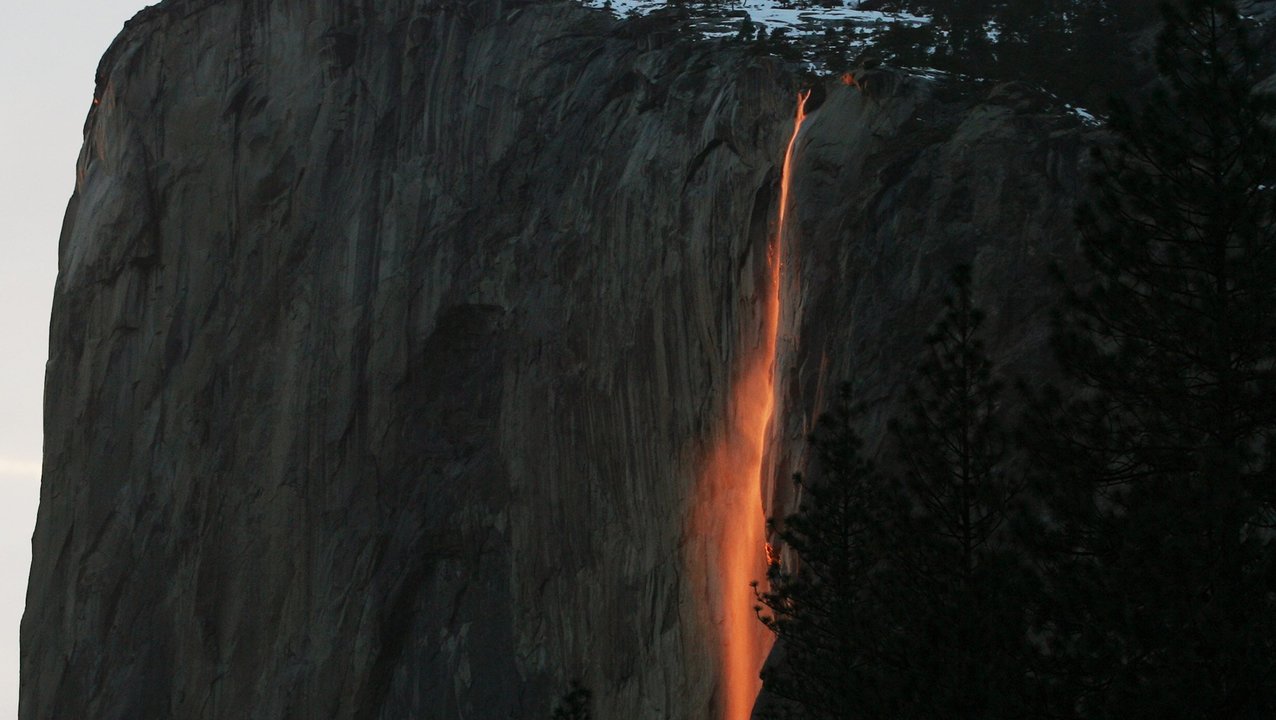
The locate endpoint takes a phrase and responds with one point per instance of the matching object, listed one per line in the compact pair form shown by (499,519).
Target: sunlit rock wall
(384,341)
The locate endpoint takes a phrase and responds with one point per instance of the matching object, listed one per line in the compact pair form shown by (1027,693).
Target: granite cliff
(390,340)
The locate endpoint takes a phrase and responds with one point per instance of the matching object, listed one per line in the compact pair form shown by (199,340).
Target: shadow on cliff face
(386,337)
(894,185)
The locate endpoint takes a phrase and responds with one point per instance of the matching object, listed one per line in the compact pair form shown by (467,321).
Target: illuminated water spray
(734,475)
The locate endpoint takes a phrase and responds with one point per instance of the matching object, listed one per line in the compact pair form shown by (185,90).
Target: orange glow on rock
(849,80)
(732,512)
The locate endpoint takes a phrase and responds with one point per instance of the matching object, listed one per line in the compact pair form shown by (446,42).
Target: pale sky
(49,50)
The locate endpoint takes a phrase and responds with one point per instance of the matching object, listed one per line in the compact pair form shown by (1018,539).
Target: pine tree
(907,596)
(1157,478)
(823,610)
(959,587)
(955,39)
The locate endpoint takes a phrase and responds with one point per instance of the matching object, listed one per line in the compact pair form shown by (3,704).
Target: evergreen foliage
(960,588)
(823,609)
(907,599)
(1116,558)
(1157,480)
(1069,46)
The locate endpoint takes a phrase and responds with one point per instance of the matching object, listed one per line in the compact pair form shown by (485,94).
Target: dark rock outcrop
(388,337)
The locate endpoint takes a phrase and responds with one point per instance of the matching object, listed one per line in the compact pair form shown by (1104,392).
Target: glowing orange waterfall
(733,474)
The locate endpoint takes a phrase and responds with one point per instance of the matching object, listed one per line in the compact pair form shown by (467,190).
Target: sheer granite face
(389,338)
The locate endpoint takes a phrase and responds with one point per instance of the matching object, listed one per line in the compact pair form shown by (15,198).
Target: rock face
(894,187)
(389,337)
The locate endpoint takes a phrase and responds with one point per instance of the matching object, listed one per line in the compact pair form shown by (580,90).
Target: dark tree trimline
(1157,479)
